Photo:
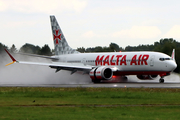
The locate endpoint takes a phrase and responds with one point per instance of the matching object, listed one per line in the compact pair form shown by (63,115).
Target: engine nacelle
(146,77)
(101,73)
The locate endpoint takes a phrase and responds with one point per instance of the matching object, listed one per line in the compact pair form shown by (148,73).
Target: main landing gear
(96,81)
(124,79)
(161,80)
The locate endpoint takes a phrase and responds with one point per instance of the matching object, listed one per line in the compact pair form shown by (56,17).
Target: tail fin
(60,44)
(173,54)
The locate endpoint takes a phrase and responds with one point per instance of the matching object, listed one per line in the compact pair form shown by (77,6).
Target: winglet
(173,54)
(13,59)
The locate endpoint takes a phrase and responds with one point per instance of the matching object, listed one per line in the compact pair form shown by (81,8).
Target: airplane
(104,66)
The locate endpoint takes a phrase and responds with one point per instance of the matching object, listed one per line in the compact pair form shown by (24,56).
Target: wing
(73,67)
(42,56)
(56,65)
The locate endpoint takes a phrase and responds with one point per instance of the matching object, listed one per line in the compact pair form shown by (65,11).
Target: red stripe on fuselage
(121,73)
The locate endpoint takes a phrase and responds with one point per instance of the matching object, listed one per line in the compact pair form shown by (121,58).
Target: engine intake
(101,73)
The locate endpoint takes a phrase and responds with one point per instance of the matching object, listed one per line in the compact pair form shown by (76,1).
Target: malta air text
(121,60)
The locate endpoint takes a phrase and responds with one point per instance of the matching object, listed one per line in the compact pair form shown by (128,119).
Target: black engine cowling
(146,77)
(101,73)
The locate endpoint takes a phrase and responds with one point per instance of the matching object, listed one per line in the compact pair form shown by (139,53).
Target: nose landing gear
(161,80)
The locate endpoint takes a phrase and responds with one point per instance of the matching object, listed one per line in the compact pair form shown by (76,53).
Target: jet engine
(146,77)
(101,73)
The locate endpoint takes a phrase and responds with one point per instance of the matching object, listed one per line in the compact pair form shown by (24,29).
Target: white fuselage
(129,62)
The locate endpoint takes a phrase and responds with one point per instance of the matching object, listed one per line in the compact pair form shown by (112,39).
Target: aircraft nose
(173,65)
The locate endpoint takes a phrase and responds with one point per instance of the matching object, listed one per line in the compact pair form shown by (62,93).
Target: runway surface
(172,81)
(101,85)
(32,76)
(47,78)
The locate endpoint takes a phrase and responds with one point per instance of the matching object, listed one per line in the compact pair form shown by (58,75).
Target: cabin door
(152,61)
(84,61)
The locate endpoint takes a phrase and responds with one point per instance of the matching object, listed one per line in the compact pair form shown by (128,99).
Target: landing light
(113,76)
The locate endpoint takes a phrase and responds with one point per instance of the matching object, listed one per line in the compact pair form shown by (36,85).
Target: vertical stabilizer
(173,54)
(60,44)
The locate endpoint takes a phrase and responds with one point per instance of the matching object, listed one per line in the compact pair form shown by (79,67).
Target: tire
(161,80)
(96,81)
(125,79)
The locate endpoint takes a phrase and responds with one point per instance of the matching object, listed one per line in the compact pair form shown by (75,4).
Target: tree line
(28,48)
(163,45)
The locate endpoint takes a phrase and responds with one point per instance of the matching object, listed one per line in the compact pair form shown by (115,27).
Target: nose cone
(175,65)
(172,65)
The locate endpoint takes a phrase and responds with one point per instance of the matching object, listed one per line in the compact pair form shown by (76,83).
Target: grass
(89,113)
(89,103)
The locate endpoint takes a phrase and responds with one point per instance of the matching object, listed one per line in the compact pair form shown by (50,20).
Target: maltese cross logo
(57,37)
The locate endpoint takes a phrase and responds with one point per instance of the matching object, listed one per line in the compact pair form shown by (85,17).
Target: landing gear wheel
(96,81)
(125,79)
(161,80)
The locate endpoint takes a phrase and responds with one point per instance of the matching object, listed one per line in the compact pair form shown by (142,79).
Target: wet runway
(41,77)
(172,81)
(101,85)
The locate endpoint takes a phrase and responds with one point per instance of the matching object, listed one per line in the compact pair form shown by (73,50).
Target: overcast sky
(89,23)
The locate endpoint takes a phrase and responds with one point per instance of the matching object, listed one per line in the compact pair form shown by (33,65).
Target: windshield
(163,59)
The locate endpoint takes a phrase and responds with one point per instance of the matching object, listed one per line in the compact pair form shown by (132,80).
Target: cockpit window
(162,59)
